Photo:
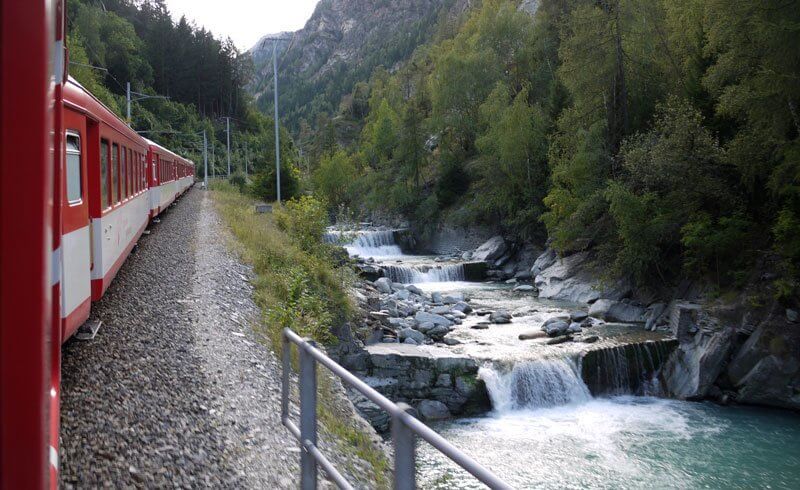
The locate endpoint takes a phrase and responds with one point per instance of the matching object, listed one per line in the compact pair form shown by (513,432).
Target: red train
(77,189)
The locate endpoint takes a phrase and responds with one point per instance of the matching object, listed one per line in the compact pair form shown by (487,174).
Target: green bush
(305,220)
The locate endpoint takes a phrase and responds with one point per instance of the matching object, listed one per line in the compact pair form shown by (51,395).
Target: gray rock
(466,256)
(572,279)
(578,315)
(409,333)
(523,276)
(591,339)
(463,307)
(384,285)
(574,328)
(560,340)
(617,311)
(410,341)
(453,298)
(433,410)
(792,315)
(537,334)
(480,326)
(436,297)
(525,288)
(544,261)
(500,317)
(402,294)
(425,327)
(440,310)
(556,328)
(653,315)
(683,319)
(438,332)
(415,290)
(425,317)
(491,250)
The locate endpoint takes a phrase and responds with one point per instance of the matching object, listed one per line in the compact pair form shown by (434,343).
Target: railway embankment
(181,386)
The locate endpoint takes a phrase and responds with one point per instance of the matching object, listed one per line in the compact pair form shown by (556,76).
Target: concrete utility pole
(130,99)
(245,159)
(277,131)
(205,160)
(275,41)
(228,119)
(213,161)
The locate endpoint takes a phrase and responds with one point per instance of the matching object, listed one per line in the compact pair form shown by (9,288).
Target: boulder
(436,297)
(572,279)
(463,307)
(555,328)
(440,310)
(574,328)
(410,341)
(544,261)
(491,250)
(438,332)
(578,315)
(617,311)
(591,339)
(409,333)
(525,288)
(433,410)
(415,290)
(426,327)
(384,285)
(425,317)
(453,298)
(500,317)
(792,315)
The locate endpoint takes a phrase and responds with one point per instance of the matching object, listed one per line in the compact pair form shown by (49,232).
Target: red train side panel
(26,188)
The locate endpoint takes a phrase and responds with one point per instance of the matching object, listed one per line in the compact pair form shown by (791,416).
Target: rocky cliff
(342,43)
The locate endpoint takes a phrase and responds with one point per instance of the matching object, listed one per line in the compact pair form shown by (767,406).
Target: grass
(297,286)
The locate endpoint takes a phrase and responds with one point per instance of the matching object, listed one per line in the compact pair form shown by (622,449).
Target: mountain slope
(340,45)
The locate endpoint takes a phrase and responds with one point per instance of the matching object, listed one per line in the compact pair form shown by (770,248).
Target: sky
(244,21)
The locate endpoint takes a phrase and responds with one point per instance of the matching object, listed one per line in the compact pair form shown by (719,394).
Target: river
(547,430)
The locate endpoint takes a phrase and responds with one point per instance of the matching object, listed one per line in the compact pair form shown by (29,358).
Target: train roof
(165,150)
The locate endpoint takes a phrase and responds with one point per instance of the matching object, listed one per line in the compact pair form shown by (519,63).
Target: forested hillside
(112,42)
(342,43)
(661,133)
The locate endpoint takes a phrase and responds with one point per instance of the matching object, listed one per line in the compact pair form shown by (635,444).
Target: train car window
(123,174)
(104,173)
(114,173)
(74,191)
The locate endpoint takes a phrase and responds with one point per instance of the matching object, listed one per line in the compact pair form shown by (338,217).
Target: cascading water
(542,383)
(626,369)
(373,243)
(411,275)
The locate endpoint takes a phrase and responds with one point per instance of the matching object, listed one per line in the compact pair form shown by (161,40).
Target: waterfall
(535,384)
(413,275)
(373,243)
(626,369)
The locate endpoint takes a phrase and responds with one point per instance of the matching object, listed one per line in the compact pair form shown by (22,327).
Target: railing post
(308,417)
(405,466)
(287,368)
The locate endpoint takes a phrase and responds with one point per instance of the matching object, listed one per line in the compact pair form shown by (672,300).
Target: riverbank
(557,351)
(296,289)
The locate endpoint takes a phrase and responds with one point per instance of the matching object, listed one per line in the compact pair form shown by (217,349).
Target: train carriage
(105,201)
(76,187)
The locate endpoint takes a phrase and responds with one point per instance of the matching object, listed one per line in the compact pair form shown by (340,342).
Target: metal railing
(404,426)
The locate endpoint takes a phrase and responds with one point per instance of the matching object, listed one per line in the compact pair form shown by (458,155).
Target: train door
(75,229)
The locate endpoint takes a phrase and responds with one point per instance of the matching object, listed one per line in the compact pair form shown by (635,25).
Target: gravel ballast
(176,389)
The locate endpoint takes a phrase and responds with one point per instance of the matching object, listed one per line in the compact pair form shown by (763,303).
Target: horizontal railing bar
(422,430)
(318,456)
(337,477)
